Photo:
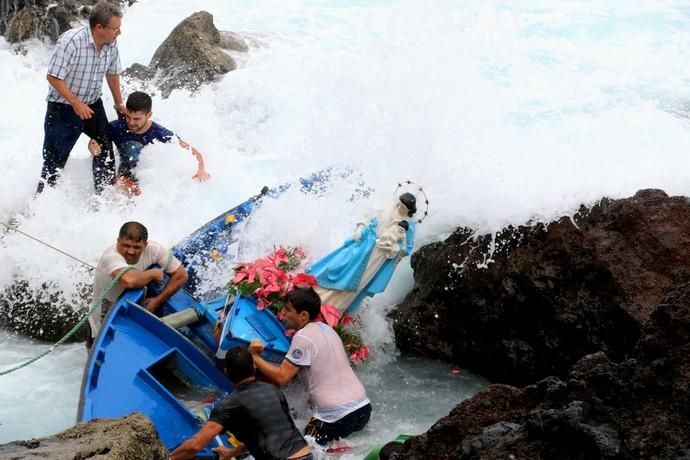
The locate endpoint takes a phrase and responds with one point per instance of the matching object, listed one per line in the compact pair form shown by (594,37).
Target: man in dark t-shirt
(134,130)
(129,143)
(256,413)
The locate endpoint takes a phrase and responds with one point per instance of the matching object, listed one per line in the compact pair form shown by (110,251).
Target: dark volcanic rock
(638,408)
(547,295)
(128,438)
(44,313)
(24,19)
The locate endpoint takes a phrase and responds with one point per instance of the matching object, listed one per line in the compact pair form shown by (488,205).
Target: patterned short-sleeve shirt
(76,61)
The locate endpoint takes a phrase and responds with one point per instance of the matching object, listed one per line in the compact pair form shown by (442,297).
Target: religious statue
(365,263)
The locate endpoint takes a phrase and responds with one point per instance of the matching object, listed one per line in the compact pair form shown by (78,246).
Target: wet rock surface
(192,55)
(633,409)
(546,296)
(602,302)
(24,19)
(128,438)
(43,313)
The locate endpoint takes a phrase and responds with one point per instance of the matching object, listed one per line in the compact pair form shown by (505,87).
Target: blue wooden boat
(167,367)
(245,322)
(140,364)
(213,241)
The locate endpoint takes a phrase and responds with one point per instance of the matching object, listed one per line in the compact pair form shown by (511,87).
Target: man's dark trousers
(62,129)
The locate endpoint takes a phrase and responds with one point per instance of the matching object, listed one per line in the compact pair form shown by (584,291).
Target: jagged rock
(21,20)
(232,41)
(547,295)
(23,25)
(140,72)
(44,313)
(639,408)
(191,55)
(128,438)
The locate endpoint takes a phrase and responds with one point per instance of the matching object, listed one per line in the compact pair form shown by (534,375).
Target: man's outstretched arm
(113,81)
(193,445)
(279,375)
(201,174)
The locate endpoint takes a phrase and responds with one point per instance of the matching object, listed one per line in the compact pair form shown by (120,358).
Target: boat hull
(139,364)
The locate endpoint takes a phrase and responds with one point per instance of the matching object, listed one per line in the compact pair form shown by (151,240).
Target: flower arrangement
(270,278)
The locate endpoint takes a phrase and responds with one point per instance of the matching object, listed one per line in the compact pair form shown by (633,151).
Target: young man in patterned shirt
(82,57)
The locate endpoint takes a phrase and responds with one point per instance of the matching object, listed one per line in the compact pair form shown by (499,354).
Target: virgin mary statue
(365,263)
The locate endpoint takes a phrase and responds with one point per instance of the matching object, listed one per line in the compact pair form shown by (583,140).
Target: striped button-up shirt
(76,61)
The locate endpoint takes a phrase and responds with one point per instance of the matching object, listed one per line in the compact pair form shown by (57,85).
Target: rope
(76,327)
(95,305)
(12,227)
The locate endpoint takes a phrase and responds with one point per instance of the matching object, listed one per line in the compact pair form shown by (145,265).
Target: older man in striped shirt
(82,57)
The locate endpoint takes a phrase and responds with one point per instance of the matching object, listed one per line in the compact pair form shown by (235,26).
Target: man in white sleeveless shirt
(340,401)
(133,249)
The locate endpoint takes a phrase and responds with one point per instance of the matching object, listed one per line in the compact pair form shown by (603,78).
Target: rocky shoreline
(604,337)
(583,324)
(128,438)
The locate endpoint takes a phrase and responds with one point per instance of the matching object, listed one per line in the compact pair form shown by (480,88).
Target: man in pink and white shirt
(340,401)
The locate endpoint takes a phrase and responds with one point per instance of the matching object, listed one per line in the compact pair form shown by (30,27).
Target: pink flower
(303,279)
(346,319)
(244,272)
(330,315)
(269,279)
(359,355)
(279,256)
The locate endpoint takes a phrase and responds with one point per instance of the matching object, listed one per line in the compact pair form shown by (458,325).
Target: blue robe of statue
(343,268)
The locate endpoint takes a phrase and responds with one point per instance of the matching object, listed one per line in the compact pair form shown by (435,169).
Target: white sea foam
(504,113)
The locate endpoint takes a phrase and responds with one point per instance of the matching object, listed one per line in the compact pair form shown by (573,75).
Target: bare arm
(193,445)
(201,174)
(133,279)
(113,81)
(227,453)
(175,283)
(279,375)
(82,110)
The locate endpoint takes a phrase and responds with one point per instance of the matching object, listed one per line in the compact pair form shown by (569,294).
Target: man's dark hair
(139,102)
(102,12)
(134,231)
(305,299)
(239,364)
